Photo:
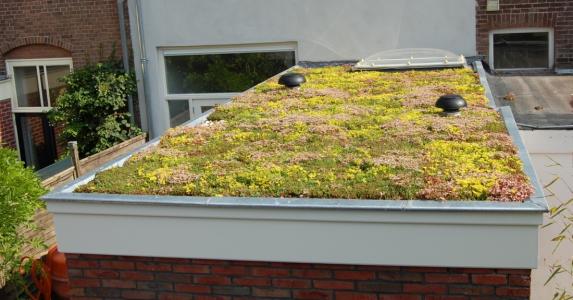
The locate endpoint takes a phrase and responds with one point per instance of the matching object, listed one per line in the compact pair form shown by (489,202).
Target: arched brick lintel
(35,40)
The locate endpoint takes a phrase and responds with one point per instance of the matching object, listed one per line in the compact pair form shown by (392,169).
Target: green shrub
(92,108)
(562,267)
(20,190)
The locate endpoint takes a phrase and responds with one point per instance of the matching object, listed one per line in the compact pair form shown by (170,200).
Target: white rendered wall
(301,235)
(323,29)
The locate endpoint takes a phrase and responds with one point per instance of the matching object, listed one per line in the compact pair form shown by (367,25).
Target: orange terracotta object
(56,262)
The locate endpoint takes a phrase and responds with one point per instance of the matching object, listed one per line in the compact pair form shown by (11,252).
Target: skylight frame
(429,59)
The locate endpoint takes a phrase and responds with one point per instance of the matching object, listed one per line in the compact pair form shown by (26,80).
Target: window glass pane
(55,74)
(27,91)
(205,109)
(178,112)
(201,106)
(521,50)
(223,73)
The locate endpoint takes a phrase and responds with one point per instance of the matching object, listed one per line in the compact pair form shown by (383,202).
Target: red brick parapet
(124,277)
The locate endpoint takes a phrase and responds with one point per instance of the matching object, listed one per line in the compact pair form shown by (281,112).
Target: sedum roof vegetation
(342,134)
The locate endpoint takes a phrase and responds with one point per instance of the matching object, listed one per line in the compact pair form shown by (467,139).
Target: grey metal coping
(483,80)
(536,203)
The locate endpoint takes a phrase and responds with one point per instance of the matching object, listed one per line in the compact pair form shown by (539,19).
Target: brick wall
(7,136)
(85,30)
(121,277)
(556,14)
(81,27)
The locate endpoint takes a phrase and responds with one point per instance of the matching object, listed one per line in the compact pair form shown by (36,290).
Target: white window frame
(202,50)
(45,62)
(523,30)
(42,62)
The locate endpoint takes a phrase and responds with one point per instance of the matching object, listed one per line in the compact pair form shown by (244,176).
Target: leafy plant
(343,134)
(20,190)
(562,216)
(92,108)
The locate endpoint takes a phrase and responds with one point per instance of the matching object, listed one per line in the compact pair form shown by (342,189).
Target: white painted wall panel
(323,29)
(451,239)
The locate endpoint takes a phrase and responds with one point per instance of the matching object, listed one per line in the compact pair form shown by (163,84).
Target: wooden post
(73,148)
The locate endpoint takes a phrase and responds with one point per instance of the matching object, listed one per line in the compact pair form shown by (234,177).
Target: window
(181,111)
(223,73)
(521,49)
(197,79)
(36,84)
(178,112)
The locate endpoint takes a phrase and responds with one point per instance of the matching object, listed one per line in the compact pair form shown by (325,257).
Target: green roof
(342,134)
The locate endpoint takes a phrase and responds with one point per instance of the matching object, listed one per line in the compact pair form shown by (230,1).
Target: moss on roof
(343,134)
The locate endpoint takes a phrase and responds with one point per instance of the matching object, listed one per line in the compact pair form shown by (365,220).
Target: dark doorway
(36,139)
(529,50)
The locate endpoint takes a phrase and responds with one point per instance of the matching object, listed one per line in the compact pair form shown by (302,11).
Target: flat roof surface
(342,135)
(537,101)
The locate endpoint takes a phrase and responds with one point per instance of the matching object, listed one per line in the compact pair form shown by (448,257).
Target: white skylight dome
(415,58)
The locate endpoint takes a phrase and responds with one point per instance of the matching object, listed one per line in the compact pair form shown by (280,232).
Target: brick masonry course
(124,277)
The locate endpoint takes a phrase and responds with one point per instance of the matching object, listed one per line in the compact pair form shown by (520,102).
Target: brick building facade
(112,277)
(556,15)
(82,28)
(85,31)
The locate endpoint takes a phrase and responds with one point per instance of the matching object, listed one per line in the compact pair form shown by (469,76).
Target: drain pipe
(125,54)
(143,61)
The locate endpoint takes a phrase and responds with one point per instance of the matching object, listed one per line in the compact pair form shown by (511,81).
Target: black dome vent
(451,104)
(292,80)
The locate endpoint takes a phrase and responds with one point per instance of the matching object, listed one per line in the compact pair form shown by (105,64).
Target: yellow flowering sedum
(343,134)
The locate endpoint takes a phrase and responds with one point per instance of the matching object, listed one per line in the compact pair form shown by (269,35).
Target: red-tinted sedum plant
(342,134)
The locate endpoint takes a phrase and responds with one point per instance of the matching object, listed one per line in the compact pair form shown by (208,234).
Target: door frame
(523,30)
(48,132)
